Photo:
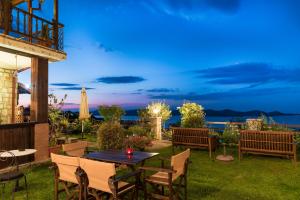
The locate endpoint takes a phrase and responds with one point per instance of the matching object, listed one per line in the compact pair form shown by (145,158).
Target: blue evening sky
(237,54)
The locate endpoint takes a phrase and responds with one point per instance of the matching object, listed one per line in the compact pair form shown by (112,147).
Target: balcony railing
(21,24)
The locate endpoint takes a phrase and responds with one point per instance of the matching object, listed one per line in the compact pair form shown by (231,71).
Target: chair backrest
(8,160)
(75,149)
(98,173)
(67,167)
(178,162)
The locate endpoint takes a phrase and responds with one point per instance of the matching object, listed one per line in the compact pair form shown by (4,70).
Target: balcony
(28,27)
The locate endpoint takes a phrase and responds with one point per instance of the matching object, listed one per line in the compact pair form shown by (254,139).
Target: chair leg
(3,191)
(13,191)
(145,191)
(55,189)
(25,180)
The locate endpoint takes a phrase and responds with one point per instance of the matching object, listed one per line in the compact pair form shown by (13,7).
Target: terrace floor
(255,177)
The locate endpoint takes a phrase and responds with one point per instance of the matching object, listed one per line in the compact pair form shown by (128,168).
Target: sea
(284,119)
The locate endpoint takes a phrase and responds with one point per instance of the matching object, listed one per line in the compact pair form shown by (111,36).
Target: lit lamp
(129,151)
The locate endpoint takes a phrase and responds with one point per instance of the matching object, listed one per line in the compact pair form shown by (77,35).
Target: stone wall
(7,94)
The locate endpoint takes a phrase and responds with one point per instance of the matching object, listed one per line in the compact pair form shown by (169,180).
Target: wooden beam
(24,48)
(17,2)
(39,90)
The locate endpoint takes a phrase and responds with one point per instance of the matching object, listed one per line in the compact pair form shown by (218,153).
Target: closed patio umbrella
(84,109)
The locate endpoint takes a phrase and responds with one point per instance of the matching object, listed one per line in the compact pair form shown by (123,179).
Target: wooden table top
(120,157)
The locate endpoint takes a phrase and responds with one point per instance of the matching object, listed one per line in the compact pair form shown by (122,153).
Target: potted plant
(228,138)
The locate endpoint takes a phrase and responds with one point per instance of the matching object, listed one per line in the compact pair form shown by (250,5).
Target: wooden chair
(67,173)
(12,174)
(75,149)
(174,178)
(100,180)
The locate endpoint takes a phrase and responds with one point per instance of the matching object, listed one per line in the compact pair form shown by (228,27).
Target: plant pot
(225,157)
(55,149)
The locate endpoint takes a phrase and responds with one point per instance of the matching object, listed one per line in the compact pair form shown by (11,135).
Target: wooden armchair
(75,149)
(100,180)
(174,178)
(67,173)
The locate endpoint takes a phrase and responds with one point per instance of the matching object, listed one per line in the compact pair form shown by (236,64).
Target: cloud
(120,79)
(159,90)
(189,9)
(249,73)
(75,88)
(104,47)
(237,93)
(64,84)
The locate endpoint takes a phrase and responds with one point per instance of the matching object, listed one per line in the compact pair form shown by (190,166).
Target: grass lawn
(255,177)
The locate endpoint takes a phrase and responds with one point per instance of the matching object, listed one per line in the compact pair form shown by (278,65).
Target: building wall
(8,92)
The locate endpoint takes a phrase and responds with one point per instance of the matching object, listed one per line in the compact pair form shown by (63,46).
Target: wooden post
(29,5)
(55,20)
(14,96)
(7,16)
(39,90)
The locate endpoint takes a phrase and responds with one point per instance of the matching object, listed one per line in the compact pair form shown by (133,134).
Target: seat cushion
(8,176)
(161,178)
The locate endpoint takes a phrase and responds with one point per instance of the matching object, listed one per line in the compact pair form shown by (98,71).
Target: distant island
(219,113)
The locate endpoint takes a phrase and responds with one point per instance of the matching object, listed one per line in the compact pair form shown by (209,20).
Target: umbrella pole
(82,129)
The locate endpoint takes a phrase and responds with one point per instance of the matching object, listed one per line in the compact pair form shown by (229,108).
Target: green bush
(110,135)
(192,115)
(138,142)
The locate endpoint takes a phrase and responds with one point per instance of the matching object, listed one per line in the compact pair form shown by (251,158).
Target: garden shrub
(110,135)
(192,115)
(138,130)
(138,142)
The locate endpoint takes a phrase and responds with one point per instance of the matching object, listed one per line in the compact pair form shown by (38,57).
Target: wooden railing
(17,136)
(23,25)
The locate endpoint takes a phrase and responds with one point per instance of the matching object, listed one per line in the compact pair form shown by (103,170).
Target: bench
(274,143)
(193,138)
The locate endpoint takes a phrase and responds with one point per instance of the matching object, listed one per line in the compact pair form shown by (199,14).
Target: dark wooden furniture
(121,158)
(275,143)
(194,138)
(67,173)
(99,180)
(13,174)
(174,178)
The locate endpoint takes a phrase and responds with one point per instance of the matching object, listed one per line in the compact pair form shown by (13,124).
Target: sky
(235,54)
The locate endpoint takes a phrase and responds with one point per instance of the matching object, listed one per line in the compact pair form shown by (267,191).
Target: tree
(192,115)
(111,113)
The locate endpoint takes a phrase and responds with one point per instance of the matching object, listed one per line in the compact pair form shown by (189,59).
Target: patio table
(121,158)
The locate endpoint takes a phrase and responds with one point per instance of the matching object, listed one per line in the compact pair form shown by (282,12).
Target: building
(27,40)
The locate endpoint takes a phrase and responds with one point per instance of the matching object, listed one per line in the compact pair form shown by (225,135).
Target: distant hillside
(224,113)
